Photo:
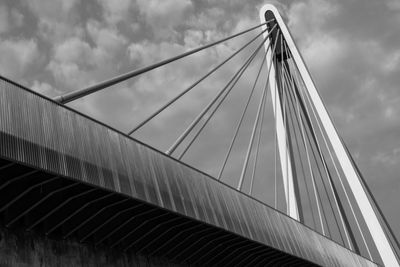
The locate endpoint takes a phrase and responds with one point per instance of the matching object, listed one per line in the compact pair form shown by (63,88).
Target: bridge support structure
(350,174)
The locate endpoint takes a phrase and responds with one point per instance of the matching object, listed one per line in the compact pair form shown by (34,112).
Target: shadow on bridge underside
(68,176)
(62,208)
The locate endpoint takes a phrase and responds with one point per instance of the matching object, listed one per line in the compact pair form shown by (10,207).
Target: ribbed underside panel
(68,176)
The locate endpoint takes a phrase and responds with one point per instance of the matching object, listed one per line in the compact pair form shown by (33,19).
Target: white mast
(377,232)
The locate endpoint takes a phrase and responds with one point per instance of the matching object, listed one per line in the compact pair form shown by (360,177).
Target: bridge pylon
(368,213)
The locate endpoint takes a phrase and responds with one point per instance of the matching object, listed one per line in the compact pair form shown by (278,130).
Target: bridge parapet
(48,137)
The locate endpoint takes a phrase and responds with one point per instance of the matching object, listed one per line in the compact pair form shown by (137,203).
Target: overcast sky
(352,49)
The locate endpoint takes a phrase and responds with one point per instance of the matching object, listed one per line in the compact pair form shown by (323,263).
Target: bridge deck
(68,176)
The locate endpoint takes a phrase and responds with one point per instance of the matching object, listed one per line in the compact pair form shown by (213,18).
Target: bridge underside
(64,209)
(72,179)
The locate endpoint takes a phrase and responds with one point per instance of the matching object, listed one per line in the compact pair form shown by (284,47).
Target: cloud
(109,43)
(56,20)
(323,52)
(10,18)
(4,24)
(388,158)
(75,63)
(116,11)
(68,75)
(393,5)
(207,19)
(154,89)
(147,53)
(391,62)
(307,19)
(193,38)
(178,75)
(308,22)
(74,50)
(163,16)
(51,9)
(17,19)
(71,61)
(16,56)
(44,89)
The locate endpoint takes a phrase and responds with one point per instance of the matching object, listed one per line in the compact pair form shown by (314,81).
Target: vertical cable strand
(300,158)
(310,139)
(309,165)
(322,159)
(198,118)
(347,198)
(258,145)
(246,161)
(275,145)
(241,120)
(286,131)
(66,98)
(213,112)
(158,111)
(344,224)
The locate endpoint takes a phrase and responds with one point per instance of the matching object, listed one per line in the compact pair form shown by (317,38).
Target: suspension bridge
(71,183)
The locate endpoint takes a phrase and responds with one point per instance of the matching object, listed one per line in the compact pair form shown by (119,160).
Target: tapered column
(365,206)
(284,155)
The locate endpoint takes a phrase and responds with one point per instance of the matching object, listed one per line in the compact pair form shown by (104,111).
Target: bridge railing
(59,141)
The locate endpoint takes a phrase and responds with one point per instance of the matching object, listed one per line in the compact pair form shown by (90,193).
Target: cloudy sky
(352,49)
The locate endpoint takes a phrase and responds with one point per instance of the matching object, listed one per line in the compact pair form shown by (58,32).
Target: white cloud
(56,19)
(163,15)
(68,74)
(389,105)
(193,38)
(16,56)
(143,54)
(392,61)
(158,86)
(51,9)
(108,42)
(70,63)
(393,4)
(76,63)
(389,112)
(322,48)
(4,27)
(306,19)
(324,51)
(116,10)
(207,19)
(388,62)
(9,18)
(17,18)
(73,50)
(147,52)
(44,88)
(389,158)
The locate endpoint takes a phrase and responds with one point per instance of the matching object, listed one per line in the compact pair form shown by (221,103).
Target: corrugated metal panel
(40,133)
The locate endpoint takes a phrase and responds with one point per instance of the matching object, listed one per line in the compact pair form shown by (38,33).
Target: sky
(352,49)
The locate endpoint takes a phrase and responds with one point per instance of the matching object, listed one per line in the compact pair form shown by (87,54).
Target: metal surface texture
(92,164)
(375,228)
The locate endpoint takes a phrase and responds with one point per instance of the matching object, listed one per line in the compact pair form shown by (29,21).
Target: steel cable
(66,98)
